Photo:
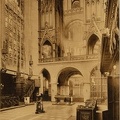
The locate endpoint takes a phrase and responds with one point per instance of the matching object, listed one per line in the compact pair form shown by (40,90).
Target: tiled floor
(52,112)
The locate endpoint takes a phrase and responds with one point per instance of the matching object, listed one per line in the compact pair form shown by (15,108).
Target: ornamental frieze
(73,11)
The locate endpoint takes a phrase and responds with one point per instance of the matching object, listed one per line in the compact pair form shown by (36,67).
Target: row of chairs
(9,101)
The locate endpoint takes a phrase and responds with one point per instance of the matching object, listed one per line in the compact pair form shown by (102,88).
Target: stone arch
(94,69)
(95,81)
(45,84)
(74,21)
(93,44)
(73,38)
(70,82)
(71,23)
(46,74)
(67,72)
(47,49)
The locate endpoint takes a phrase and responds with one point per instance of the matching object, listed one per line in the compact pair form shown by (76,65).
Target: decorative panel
(14,28)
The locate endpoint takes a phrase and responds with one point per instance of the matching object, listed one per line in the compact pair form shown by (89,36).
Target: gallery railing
(70,58)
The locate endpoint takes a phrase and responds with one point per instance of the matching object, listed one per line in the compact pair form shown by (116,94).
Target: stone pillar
(53,17)
(69,4)
(86,84)
(42,20)
(2,37)
(51,23)
(98,9)
(47,18)
(65,5)
(54,47)
(53,85)
(68,91)
(53,91)
(88,11)
(86,91)
(2,26)
(81,3)
(41,83)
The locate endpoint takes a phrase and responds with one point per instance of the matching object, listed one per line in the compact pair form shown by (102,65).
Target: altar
(63,99)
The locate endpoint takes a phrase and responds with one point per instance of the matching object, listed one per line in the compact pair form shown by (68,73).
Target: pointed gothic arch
(47,49)
(93,44)
(45,81)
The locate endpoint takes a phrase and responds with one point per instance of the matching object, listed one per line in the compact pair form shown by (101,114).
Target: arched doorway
(46,85)
(98,85)
(70,82)
(93,44)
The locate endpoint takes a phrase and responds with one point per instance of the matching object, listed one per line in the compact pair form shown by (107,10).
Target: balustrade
(70,58)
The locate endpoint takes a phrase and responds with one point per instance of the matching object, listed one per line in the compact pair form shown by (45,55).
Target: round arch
(66,73)
(71,23)
(70,82)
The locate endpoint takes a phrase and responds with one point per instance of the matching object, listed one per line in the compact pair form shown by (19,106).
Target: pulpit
(87,112)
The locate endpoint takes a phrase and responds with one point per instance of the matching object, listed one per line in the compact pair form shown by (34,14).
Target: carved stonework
(14,41)
(98,1)
(93,28)
(74,11)
(47,34)
(76,4)
(93,1)
(46,6)
(87,2)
